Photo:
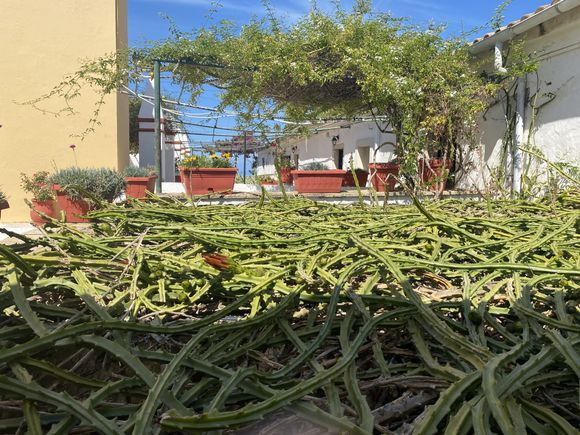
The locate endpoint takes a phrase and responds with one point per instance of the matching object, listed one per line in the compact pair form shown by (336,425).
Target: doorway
(339,158)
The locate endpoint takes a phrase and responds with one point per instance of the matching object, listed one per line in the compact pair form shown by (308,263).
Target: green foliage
(38,185)
(136,171)
(498,18)
(314,166)
(3,197)
(211,161)
(94,184)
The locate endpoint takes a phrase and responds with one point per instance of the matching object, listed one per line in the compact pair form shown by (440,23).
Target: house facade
(41,42)
(542,111)
(334,145)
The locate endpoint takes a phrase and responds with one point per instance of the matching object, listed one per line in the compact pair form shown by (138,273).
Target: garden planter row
(361,176)
(325,181)
(139,187)
(74,209)
(383,176)
(432,175)
(286,175)
(203,181)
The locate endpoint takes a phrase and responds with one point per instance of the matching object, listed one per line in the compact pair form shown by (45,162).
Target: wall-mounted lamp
(335,140)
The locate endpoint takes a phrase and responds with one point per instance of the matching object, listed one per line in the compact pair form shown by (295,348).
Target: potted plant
(42,203)
(316,178)
(78,190)
(268,181)
(286,169)
(361,176)
(202,174)
(139,181)
(3,202)
(383,176)
(435,173)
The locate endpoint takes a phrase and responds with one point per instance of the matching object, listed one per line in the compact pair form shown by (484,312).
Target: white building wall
(362,141)
(147,139)
(556,128)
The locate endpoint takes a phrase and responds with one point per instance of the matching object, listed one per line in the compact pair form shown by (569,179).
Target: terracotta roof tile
(516,22)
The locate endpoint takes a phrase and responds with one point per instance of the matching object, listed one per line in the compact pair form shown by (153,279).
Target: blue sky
(146,20)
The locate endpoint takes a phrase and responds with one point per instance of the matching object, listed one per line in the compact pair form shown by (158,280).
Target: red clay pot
(361,175)
(325,181)
(201,181)
(45,207)
(137,187)
(383,176)
(73,208)
(432,177)
(286,175)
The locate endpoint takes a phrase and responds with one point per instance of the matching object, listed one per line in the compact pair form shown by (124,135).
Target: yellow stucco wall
(40,42)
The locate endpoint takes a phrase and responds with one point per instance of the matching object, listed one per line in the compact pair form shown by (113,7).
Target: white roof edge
(523,25)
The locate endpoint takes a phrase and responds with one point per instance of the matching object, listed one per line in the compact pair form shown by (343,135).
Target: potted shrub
(268,181)
(383,176)
(315,178)
(42,203)
(286,169)
(139,181)
(435,174)
(361,176)
(202,174)
(3,202)
(78,190)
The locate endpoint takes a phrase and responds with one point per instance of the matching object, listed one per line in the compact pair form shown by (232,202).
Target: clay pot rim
(181,168)
(141,178)
(384,165)
(319,171)
(46,201)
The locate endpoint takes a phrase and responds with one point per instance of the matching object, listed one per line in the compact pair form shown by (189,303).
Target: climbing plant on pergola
(338,65)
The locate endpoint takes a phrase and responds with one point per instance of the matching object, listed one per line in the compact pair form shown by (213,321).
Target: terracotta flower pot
(44,207)
(383,176)
(286,175)
(325,181)
(137,187)
(201,181)
(432,174)
(73,209)
(361,175)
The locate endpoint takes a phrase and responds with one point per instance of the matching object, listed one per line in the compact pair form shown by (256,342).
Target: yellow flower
(213,156)
(226,155)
